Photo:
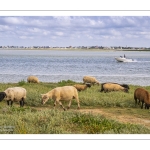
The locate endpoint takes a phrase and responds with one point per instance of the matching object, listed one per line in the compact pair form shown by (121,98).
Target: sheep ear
(42,95)
(45,96)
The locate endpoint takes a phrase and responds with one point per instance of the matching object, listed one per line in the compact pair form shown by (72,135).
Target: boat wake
(130,60)
(123,59)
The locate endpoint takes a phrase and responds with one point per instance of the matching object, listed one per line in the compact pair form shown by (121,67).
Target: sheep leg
(146,106)
(136,102)
(54,104)
(21,103)
(102,90)
(61,105)
(78,103)
(142,105)
(8,102)
(139,102)
(69,104)
(11,103)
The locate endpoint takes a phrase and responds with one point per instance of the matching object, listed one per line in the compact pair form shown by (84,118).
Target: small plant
(19,109)
(68,82)
(21,83)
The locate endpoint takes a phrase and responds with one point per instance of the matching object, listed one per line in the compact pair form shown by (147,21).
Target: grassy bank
(36,118)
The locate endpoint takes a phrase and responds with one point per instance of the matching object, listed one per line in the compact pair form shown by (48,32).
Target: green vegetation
(36,118)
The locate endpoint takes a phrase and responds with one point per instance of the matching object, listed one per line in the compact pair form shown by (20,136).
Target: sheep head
(88,85)
(44,98)
(2,96)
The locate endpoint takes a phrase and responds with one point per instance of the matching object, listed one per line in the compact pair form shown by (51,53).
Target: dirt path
(121,117)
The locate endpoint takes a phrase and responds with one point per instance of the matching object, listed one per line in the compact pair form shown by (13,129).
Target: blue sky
(75,31)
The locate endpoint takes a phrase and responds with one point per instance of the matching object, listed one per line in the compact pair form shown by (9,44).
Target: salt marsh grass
(36,118)
(62,122)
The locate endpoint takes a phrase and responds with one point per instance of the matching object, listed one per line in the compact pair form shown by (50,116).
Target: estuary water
(58,65)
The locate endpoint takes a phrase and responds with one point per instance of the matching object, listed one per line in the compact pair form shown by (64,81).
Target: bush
(21,83)
(64,83)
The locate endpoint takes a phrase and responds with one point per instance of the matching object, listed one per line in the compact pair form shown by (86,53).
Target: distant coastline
(76,49)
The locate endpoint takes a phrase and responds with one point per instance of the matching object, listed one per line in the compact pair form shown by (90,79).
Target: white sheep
(66,93)
(89,79)
(14,94)
(32,79)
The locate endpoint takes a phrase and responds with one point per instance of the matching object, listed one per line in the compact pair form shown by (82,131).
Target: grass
(61,122)
(36,118)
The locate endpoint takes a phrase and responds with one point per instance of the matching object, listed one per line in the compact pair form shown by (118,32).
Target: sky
(66,31)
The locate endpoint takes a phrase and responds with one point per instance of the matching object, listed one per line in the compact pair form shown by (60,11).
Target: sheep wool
(81,87)
(108,87)
(89,79)
(143,96)
(32,79)
(15,94)
(66,93)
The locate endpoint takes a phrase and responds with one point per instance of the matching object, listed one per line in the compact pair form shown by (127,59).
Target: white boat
(123,59)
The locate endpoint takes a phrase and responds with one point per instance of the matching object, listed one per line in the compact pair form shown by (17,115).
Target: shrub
(21,83)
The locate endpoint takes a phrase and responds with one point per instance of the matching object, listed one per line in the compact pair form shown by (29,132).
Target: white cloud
(46,33)
(59,33)
(115,32)
(89,36)
(131,36)
(92,22)
(62,20)
(53,37)
(4,28)
(82,29)
(14,20)
(25,37)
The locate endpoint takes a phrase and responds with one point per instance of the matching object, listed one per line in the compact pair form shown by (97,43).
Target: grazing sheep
(66,93)
(143,96)
(108,87)
(14,94)
(89,79)
(32,79)
(81,87)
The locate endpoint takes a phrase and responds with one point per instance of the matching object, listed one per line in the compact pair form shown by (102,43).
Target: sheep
(143,96)
(81,87)
(108,87)
(89,79)
(32,79)
(14,94)
(66,93)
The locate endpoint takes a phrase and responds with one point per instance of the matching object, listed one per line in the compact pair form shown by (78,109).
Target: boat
(123,59)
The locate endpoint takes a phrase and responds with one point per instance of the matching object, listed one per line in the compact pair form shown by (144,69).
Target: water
(58,65)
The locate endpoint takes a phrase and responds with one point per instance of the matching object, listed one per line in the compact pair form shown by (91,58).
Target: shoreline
(65,81)
(76,49)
